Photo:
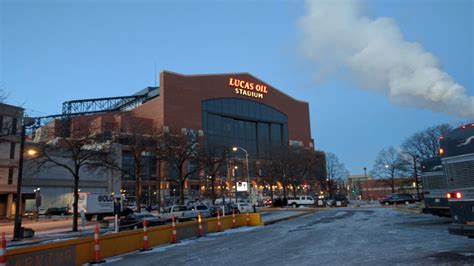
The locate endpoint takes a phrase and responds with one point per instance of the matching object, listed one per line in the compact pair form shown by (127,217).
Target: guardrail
(81,250)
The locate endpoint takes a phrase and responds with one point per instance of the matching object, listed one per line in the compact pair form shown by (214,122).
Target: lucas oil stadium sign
(248,89)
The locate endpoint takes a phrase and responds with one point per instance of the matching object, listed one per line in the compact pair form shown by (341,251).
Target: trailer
(99,204)
(457,156)
(435,187)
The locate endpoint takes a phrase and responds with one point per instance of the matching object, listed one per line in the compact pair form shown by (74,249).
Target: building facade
(10,127)
(362,187)
(231,110)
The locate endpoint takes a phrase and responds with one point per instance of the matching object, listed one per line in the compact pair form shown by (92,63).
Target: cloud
(337,34)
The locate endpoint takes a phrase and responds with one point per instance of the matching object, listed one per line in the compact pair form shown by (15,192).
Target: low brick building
(368,188)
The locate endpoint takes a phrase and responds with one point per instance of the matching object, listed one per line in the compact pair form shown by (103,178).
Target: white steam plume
(336,33)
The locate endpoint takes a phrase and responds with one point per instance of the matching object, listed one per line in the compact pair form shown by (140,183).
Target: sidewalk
(46,230)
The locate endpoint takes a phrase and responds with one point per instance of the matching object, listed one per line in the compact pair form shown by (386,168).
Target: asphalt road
(345,236)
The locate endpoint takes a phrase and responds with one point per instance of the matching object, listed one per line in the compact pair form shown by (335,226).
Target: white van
(301,200)
(244,207)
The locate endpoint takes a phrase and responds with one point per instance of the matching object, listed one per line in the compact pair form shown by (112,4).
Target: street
(335,237)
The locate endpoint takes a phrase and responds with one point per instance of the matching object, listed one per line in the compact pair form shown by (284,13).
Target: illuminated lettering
(248,93)
(246,88)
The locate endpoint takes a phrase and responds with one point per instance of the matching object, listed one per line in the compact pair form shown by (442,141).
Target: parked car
(214,210)
(243,207)
(267,202)
(397,198)
(339,200)
(42,211)
(180,212)
(301,200)
(152,208)
(201,208)
(222,212)
(29,213)
(57,211)
(135,220)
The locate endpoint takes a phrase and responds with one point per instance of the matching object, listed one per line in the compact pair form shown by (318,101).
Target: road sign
(83,218)
(241,186)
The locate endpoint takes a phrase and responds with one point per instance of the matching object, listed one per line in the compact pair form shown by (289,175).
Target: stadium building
(235,109)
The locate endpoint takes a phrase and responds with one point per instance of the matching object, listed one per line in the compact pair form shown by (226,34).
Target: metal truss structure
(99,105)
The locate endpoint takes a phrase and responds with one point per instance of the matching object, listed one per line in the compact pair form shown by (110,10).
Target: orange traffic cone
(199,225)
(174,238)
(233,218)
(97,259)
(145,236)
(218,222)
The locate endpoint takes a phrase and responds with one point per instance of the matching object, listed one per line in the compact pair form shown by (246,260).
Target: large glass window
(251,125)
(148,166)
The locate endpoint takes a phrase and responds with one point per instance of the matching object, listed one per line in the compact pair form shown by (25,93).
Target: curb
(288,218)
(291,209)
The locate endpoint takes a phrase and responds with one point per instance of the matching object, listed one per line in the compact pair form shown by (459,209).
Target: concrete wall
(56,183)
(80,251)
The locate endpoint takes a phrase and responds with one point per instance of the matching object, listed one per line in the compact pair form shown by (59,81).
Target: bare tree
(264,171)
(3,95)
(214,159)
(300,163)
(336,171)
(179,152)
(79,151)
(318,169)
(140,142)
(388,164)
(423,145)
(280,165)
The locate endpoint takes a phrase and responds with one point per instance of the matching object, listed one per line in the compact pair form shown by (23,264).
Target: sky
(55,51)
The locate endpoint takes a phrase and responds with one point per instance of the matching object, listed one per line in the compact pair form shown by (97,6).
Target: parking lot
(340,236)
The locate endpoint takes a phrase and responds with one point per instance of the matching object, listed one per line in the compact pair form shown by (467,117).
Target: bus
(457,157)
(435,187)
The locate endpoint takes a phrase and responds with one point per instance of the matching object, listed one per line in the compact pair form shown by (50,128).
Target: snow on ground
(184,242)
(343,236)
(275,215)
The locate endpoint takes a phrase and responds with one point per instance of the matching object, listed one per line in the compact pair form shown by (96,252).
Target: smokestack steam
(337,34)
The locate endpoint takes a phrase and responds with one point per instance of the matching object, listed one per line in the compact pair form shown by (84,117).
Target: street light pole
(17,234)
(246,166)
(37,201)
(235,177)
(366,185)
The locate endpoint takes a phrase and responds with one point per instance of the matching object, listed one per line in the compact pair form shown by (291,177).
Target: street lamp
(246,165)
(235,176)
(17,232)
(37,201)
(366,184)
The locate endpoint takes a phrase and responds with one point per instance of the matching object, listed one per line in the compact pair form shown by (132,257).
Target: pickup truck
(301,200)
(184,213)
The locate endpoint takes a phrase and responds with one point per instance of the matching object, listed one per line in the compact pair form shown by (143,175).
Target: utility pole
(366,184)
(415,173)
(17,232)
(235,177)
